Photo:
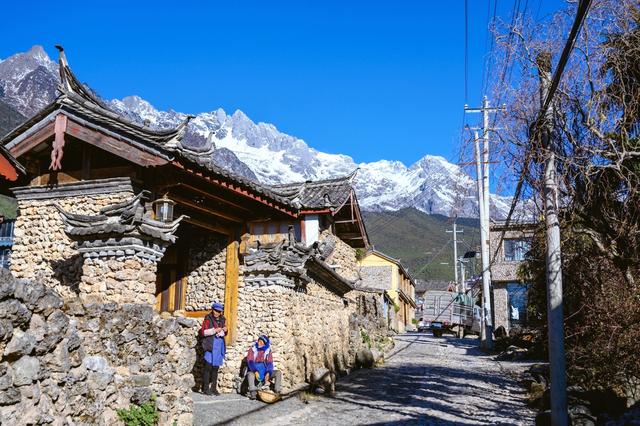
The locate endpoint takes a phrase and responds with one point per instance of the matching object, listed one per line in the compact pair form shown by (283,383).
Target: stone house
(510,289)
(383,272)
(113,211)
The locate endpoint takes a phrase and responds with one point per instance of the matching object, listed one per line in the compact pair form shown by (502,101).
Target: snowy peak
(260,151)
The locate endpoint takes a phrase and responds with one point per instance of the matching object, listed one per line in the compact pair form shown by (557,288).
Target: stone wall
(41,249)
(343,255)
(501,305)
(206,266)
(376,277)
(78,364)
(118,279)
(502,270)
(309,330)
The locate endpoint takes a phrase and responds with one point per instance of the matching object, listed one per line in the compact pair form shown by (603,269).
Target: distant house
(382,272)
(510,290)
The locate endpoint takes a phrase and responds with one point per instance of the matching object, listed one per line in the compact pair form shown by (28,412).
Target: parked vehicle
(444,310)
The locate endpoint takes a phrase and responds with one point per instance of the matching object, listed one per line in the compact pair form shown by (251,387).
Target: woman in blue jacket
(213,331)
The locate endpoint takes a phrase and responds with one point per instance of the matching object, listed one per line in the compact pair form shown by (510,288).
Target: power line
(466,50)
(581,13)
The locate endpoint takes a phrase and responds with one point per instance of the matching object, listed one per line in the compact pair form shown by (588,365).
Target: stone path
(425,381)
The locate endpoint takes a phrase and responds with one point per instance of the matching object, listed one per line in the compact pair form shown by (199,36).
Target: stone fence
(78,364)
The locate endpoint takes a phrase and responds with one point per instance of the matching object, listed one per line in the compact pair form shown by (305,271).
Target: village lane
(425,381)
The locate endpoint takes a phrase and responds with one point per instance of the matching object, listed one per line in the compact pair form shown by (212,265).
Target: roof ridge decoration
(73,91)
(321,194)
(122,229)
(293,265)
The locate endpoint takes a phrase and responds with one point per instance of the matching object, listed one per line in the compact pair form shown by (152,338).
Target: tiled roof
(316,195)
(79,103)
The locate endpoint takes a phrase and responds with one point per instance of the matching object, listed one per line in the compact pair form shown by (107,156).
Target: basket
(268,397)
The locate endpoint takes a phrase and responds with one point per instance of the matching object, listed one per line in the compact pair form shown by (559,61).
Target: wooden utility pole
(555,318)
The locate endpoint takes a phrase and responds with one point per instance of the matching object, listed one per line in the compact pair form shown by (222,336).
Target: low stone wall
(74,363)
(309,330)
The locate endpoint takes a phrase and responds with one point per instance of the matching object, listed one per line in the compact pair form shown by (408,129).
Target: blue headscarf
(266,341)
(217,307)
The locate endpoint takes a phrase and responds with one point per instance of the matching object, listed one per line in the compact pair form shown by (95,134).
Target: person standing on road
(260,365)
(213,331)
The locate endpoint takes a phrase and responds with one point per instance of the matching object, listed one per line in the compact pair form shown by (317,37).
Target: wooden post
(231,290)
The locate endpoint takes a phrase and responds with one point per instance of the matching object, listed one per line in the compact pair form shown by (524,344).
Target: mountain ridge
(260,151)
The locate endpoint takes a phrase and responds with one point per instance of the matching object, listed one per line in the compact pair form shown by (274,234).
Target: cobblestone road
(425,381)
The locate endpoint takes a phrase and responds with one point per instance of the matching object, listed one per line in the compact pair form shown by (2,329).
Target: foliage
(595,120)
(360,253)
(8,207)
(419,240)
(366,339)
(140,415)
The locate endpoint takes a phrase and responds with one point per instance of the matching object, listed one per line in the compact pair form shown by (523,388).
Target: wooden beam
(28,143)
(209,227)
(345,221)
(235,188)
(231,290)
(194,205)
(115,146)
(195,314)
(214,197)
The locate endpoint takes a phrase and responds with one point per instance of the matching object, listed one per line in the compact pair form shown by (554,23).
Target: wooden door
(170,282)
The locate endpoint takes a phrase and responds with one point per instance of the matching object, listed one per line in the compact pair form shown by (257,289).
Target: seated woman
(260,367)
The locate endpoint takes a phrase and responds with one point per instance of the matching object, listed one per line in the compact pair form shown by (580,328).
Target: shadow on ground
(415,386)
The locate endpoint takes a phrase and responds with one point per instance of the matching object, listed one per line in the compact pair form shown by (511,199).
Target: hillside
(9,118)
(419,240)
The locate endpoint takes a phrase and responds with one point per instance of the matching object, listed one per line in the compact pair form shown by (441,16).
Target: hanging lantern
(163,209)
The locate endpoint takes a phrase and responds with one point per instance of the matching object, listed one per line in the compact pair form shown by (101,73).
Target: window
(6,240)
(518,296)
(5,258)
(515,250)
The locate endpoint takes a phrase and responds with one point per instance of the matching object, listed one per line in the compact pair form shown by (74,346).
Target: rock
(364,358)
(25,371)
(322,378)
(6,377)
(500,332)
(55,329)
(15,312)
(95,363)
(48,303)
(7,284)
(21,344)
(10,396)
(6,329)
(141,396)
(29,292)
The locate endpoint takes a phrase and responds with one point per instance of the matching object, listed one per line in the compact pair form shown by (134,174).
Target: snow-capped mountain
(259,151)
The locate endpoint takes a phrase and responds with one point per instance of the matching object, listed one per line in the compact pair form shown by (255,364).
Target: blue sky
(369,79)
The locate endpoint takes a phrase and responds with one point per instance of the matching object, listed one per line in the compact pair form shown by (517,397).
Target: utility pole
(455,250)
(555,319)
(482,169)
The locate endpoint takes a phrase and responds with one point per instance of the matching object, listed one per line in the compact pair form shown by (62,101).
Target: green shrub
(140,415)
(366,339)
